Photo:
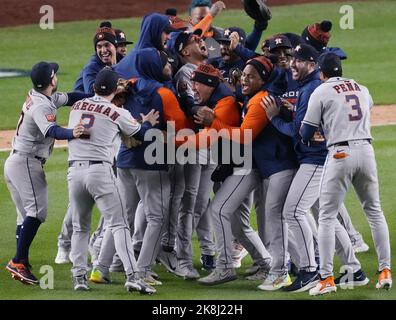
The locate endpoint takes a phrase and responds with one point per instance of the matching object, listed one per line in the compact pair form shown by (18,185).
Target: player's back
(103,122)
(345,110)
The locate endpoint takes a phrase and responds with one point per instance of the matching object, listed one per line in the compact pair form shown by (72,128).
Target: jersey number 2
(354,102)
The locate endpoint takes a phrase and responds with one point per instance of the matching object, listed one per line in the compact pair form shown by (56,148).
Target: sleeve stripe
(310,123)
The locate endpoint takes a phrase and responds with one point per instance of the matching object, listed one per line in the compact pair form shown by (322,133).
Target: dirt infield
(380,116)
(14,13)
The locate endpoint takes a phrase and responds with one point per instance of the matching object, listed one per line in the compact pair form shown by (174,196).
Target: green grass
(370,47)
(44,247)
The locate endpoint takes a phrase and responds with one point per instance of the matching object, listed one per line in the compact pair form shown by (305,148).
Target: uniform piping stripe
(295,210)
(221,221)
(31,182)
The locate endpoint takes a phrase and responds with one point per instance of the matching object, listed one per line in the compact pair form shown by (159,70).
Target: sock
(28,231)
(17,233)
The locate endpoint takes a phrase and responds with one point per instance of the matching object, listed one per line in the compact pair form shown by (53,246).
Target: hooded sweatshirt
(150,37)
(150,92)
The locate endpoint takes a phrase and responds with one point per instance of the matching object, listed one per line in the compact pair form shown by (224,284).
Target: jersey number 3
(353,101)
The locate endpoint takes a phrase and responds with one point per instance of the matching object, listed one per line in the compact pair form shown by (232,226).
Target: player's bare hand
(204,116)
(78,130)
(287,104)
(216,8)
(234,38)
(151,117)
(270,106)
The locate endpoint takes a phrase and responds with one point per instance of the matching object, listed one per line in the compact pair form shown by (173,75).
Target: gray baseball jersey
(37,116)
(107,120)
(182,80)
(342,107)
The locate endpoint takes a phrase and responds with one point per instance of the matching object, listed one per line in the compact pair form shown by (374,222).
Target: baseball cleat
(148,278)
(63,256)
(187,272)
(168,260)
(21,272)
(260,275)
(208,262)
(238,253)
(153,274)
(99,277)
(275,282)
(361,247)
(384,279)
(349,281)
(252,269)
(324,286)
(80,283)
(304,281)
(218,276)
(134,284)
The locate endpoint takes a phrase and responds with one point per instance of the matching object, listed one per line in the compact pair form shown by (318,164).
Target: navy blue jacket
(315,153)
(87,76)
(150,37)
(272,151)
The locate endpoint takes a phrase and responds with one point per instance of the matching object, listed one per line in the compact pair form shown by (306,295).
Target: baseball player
(24,168)
(91,181)
(152,180)
(234,192)
(105,43)
(122,42)
(341,107)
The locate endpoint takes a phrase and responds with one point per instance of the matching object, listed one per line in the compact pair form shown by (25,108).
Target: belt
(41,159)
(71,163)
(346,143)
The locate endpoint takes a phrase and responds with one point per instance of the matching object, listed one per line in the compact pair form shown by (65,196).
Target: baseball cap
(306,52)
(207,74)
(179,40)
(279,41)
(106,81)
(42,73)
(121,37)
(225,37)
(330,64)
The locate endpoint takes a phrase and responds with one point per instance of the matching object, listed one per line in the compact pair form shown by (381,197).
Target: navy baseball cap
(106,81)
(279,41)
(225,37)
(330,64)
(179,40)
(121,37)
(306,52)
(42,73)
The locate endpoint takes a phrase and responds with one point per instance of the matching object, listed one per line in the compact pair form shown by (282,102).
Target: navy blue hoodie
(150,92)
(150,37)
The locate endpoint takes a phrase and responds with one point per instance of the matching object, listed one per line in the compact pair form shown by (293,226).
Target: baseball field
(370,49)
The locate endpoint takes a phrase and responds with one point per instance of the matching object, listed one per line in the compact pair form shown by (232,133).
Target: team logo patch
(51,117)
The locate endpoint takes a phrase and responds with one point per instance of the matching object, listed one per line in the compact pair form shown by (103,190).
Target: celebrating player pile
(192,110)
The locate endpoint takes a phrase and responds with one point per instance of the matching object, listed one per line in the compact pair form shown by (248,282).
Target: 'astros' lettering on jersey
(37,116)
(342,107)
(104,121)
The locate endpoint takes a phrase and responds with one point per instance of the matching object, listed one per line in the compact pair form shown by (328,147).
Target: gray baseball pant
(359,168)
(90,184)
(154,191)
(228,209)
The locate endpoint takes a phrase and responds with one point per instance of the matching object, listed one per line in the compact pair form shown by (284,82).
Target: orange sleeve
(255,120)
(227,114)
(172,110)
(204,24)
